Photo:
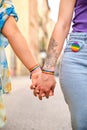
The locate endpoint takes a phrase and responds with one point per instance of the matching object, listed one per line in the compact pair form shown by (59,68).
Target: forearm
(22,50)
(18,43)
(55,46)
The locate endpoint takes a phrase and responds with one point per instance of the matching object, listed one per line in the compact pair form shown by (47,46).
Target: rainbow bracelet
(48,72)
(33,68)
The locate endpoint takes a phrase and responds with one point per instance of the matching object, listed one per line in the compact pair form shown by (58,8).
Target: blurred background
(36,22)
(24,111)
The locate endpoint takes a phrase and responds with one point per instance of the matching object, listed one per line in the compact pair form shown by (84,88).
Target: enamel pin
(75,47)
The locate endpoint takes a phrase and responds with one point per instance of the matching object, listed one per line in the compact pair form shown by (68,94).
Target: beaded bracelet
(48,72)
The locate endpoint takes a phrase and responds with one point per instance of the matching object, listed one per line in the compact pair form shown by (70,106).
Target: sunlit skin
(19,44)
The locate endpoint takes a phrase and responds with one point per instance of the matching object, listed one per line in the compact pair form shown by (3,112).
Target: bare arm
(60,32)
(18,43)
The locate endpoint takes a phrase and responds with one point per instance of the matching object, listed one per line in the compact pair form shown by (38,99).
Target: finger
(47,94)
(51,93)
(40,97)
(36,91)
(32,87)
(35,94)
(41,94)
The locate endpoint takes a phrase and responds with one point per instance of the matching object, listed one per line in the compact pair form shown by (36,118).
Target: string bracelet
(34,68)
(48,72)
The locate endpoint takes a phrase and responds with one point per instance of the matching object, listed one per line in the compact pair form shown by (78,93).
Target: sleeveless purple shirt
(80,16)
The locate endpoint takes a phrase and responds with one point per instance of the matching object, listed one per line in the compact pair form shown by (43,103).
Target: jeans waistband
(78,35)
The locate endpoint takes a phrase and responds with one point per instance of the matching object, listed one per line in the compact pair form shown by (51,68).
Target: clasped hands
(43,84)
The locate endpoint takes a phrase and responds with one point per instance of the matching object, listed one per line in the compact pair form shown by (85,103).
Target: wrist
(35,70)
(50,68)
(38,70)
(46,71)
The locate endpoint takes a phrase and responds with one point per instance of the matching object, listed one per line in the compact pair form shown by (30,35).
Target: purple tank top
(80,16)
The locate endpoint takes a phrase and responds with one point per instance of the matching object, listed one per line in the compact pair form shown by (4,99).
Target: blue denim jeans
(73,79)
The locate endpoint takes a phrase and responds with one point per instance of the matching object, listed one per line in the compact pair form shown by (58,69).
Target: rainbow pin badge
(75,47)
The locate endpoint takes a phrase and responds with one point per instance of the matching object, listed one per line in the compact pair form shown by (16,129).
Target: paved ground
(26,112)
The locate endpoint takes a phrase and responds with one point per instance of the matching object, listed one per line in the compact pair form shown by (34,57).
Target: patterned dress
(6,9)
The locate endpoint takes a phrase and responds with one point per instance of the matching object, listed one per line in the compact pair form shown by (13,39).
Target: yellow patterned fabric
(2,111)
(6,9)
(5,77)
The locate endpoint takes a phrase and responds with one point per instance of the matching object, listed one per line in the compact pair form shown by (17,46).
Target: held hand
(45,85)
(34,78)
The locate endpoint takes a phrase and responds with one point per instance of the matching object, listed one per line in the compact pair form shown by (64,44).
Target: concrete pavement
(26,112)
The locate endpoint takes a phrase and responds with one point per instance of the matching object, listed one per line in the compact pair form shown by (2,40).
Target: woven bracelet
(48,72)
(32,69)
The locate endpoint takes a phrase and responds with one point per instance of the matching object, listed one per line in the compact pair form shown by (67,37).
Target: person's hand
(35,75)
(44,85)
